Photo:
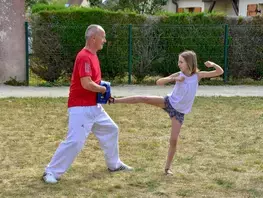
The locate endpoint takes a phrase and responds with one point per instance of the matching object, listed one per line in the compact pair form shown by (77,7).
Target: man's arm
(90,85)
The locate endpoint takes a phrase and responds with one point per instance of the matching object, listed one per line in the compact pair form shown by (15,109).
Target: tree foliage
(30,3)
(139,6)
(95,3)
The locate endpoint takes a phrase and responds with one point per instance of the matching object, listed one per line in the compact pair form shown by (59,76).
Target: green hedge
(58,34)
(44,7)
(246,48)
(201,32)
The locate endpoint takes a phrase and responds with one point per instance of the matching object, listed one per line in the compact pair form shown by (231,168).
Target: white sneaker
(123,167)
(49,178)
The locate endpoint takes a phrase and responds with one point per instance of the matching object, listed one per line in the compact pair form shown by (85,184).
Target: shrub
(58,34)
(15,82)
(245,49)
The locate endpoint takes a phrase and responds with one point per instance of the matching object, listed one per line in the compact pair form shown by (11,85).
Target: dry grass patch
(219,153)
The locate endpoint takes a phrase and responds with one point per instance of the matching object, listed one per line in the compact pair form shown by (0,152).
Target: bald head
(92,30)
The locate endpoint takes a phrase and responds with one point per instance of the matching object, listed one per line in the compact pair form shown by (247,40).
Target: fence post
(226,54)
(130,54)
(27,53)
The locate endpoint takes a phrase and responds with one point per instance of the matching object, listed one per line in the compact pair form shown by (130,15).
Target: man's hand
(103,89)
(104,92)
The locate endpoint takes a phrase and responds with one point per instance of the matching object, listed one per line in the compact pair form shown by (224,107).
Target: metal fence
(147,50)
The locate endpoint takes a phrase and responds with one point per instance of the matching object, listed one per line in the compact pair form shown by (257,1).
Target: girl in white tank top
(179,102)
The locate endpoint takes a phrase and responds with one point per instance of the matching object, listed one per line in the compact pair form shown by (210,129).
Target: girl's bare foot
(168,172)
(111,100)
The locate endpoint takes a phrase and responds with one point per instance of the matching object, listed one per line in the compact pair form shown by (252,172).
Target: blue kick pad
(103,98)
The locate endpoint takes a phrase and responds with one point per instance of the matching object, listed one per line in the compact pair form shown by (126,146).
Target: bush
(200,32)
(58,34)
(245,48)
(15,82)
(44,7)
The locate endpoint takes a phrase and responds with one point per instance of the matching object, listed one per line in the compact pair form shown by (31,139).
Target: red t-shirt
(86,64)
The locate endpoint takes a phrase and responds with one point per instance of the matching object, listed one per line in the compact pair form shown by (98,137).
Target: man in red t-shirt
(85,115)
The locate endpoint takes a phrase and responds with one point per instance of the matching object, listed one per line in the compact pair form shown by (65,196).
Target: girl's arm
(209,74)
(172,78)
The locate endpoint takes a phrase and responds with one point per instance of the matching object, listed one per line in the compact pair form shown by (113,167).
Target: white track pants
(83,121)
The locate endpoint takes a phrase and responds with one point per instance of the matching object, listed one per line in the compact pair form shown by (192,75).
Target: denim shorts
(172,112)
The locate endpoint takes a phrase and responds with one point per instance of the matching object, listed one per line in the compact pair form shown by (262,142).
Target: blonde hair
(191,60)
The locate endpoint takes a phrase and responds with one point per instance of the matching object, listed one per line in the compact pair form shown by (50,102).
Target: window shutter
(251,9)
(198,9)
(180,10)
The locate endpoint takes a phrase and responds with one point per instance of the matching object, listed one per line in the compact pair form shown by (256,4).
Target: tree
(29,3)
(95,3)
(147,50)
(152,6)
(139,6)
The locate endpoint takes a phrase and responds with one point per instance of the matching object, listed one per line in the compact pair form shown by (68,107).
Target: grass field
(220,152)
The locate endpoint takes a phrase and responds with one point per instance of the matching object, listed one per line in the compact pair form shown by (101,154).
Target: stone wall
(12,40)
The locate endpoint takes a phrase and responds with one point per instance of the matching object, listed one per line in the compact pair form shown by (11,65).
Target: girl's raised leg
(152,100)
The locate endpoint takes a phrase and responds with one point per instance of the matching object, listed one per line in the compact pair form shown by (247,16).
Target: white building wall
(85,3)
(171,7)
(190,3)
(220,6)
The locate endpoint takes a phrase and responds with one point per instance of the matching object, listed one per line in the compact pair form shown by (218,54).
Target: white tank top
(183,94)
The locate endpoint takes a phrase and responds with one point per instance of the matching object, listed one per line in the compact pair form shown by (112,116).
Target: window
(191,9)
(254,9)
